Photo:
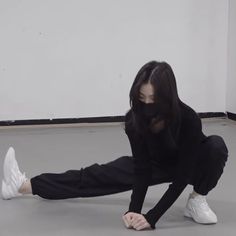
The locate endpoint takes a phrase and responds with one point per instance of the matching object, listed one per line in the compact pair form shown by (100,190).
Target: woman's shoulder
(191,124)
(187,112)
(191,121)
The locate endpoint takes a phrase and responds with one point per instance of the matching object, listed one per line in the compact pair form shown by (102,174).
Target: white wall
(231,82)
(71,58)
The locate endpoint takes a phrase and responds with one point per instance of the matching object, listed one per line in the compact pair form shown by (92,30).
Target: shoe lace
(203,203)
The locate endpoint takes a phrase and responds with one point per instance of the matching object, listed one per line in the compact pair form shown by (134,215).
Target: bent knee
(218,151)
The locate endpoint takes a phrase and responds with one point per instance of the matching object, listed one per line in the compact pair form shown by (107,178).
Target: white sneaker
(12,177)
(198,209)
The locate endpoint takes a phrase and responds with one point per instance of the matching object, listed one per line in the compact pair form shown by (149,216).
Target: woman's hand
(136,221)
(127,218)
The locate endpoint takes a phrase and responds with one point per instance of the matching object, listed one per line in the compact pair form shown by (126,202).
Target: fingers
(129,216)
(139,222)
(142,226)
(127,222)
(136,221)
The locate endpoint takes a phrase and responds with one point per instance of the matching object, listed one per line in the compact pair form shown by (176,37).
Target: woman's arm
(142,171)
(190,137)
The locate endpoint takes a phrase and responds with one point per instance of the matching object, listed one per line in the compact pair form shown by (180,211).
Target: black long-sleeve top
(163,149)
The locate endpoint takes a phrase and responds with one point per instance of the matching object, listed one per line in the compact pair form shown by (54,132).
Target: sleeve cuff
(152,224)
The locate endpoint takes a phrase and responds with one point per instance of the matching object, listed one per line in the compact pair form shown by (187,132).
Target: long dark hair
(162,78)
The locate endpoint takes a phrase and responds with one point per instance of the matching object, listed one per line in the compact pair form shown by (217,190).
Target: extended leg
(96,180)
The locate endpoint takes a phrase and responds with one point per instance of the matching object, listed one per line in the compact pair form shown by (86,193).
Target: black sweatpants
(118,175)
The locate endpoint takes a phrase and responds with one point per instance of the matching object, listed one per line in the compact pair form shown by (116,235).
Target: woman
(167,144)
